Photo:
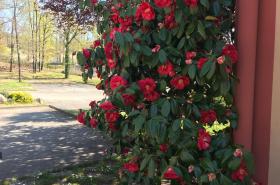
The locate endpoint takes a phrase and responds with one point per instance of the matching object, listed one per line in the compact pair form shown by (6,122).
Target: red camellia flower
(152,96)
(86,66)
(180,82)
(145,11)
(191,3)
(204,140)
(92,104)
(115,17)
(112,117)
(169,21)
(99,86)
(238,153)
(230,51)
(117,81)
(201,62)
(96,44)
(111,63)
(125,23)
(81,117)
(108,50)
(107,106)
(128,99)
(112,127)
(147,85)
(170,174)
(163,148)
(163,3)
(166,69)
(156,49)
(94,2)
(86,53)
(190,55)
(132,167)
(208,116)
(240,173)
(125,151)
(113,33)
(93,122)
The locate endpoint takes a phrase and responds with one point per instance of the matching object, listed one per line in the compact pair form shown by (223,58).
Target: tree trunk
(39,44)
(12,47)
(31,23)
(43,48)
(36,36)
(66,55)
(17,41)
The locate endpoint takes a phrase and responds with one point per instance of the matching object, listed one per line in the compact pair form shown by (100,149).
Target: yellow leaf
(211,18)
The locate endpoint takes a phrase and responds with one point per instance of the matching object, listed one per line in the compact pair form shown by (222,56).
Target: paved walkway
(67,96)
(38,139)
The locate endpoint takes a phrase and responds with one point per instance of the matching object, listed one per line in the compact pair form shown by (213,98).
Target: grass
(14,85)
(91,173)
(46,77)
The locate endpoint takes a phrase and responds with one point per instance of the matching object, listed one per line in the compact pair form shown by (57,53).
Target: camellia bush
(167,69)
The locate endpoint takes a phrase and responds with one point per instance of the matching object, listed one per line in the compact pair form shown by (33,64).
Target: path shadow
(33,142)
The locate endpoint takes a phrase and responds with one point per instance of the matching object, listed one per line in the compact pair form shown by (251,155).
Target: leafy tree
(71,19)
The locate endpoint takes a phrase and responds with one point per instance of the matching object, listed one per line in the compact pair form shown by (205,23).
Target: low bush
(20,97)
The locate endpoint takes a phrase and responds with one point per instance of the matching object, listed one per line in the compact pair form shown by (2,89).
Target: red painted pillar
(256,44)
(263,88)
(247,23)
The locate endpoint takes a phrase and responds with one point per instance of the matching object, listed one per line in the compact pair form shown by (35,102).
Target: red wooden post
(256,43)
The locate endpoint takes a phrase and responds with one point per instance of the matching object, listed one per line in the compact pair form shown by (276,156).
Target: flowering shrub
(166,67)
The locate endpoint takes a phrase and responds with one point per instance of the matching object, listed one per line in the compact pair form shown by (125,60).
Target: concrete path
(39,138)
(67,96)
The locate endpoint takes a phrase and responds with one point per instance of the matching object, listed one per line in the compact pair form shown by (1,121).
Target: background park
(135,92)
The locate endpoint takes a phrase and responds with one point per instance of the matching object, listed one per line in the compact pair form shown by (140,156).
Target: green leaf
(128,37)
(192,71)
(176,125)
(119,39)
(165,109)
(225,180)
(211,71)
(153,110)
(249,160)
(205,69)
(208,165)
(190,28)
(204,179)
(178,16)
(151,168)
(174,107)
(186,156)
(181,43)
(138,122)
(216,8)
(225,87)
(144,162)
(134,59)
(234,164)
(201,29)
(162,85)
(125,130)
(205,3)
(163,34)
(81,58)
(136,47)
(146,51)
(162,56)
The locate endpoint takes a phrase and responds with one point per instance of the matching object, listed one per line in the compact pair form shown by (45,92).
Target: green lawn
(8,81)
(14,85)
(91,173)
